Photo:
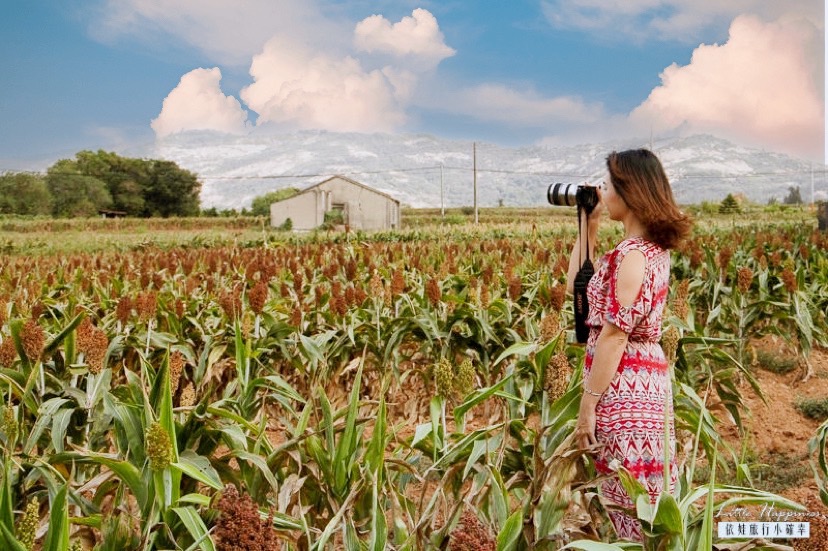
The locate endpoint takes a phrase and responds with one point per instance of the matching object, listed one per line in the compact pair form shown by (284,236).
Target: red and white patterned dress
(631,413)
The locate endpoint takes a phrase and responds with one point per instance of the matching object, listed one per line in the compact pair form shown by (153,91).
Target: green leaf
(126,472)
(261,464)
(10,543)
(196,499)
(344,457)
(667,518)
(57,536)
(195,526)
(53,345)
(378,535)
(59,425)
(517,349)
(199,468)
(478,397)
(375,453)
(7,495)
(508,536)
(706,541)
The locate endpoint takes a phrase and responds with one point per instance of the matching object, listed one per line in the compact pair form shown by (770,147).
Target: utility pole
(442,204)
(812,183)
(474,169)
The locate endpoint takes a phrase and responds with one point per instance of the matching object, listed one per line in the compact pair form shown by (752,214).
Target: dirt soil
(777,427)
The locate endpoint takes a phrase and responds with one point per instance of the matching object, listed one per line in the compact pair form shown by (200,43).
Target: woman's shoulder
(637,243)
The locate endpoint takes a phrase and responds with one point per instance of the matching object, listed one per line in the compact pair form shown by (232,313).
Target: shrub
(287,225)
(775,363)
(813,408)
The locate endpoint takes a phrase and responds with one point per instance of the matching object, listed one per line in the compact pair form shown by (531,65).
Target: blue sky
(115,74)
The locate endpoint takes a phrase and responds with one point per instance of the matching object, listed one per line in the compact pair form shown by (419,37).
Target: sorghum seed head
(433,293)
(397,282)
(146,305)
(375,286)
(471,535)
(485,296)
(188,396)
(296,316)
(159,447)
(444,377)
(33,339)
(177,363)
(515,287)
(669,343)
(240,527)
(789,279)
(550,326)
(10,425)
(258,296)
(123,309)
(557,297)
(26,529)
(464,381)
(558,373)
(744,277)
(680,302)
(8,352)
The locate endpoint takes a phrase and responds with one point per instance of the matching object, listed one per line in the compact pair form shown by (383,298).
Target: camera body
(571,195)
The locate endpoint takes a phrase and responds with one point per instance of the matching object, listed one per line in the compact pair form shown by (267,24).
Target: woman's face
(616,207)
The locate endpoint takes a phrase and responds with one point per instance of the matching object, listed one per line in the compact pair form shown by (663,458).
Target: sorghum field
(213,384)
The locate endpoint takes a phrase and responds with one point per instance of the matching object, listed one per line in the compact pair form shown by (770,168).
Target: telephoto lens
(563,195)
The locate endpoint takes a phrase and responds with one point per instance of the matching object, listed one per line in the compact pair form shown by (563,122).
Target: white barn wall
(301,209)
(364,207)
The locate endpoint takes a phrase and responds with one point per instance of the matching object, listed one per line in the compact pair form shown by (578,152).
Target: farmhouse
(341,201)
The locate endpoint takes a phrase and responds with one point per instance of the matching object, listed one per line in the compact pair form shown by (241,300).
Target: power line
(565,175)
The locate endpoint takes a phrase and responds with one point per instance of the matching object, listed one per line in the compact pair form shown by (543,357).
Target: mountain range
(427,171)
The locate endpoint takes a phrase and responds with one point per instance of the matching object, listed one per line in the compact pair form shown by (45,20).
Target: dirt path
(778,431)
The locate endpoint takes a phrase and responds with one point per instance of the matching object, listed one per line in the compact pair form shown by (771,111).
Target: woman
(627,389)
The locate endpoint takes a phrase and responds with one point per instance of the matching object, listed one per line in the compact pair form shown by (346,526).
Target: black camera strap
(579,286)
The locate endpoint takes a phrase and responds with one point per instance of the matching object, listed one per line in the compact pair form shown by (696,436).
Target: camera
(570,195)
(585,197)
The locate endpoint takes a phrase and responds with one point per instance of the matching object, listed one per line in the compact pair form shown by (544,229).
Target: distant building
(112,213)
(343,200)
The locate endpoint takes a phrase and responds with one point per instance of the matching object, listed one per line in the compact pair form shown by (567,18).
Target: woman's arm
(588,227)
(608,351)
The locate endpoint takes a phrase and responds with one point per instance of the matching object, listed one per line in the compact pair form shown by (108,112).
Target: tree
(125,178)
(24,193)
(171,191)
(139,187)
(729,205)
(793,197)
(261,204)
(73,193)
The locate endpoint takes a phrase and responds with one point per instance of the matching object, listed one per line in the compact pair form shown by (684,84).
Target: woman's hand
(594,218)
(585,427)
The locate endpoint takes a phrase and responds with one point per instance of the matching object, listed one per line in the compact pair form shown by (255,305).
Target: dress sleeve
(627,318)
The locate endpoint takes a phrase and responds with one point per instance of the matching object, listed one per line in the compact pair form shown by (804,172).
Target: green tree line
(95,181)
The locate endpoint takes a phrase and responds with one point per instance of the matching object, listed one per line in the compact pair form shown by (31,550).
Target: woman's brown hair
(639,178)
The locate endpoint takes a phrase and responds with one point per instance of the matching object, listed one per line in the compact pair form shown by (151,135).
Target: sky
(116,74)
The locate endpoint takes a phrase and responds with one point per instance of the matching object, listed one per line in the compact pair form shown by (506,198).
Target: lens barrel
(562,195)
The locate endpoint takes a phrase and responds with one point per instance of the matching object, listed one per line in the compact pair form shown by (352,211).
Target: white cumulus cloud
(198,103)
(764,86)
(417,36)
(299,88)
